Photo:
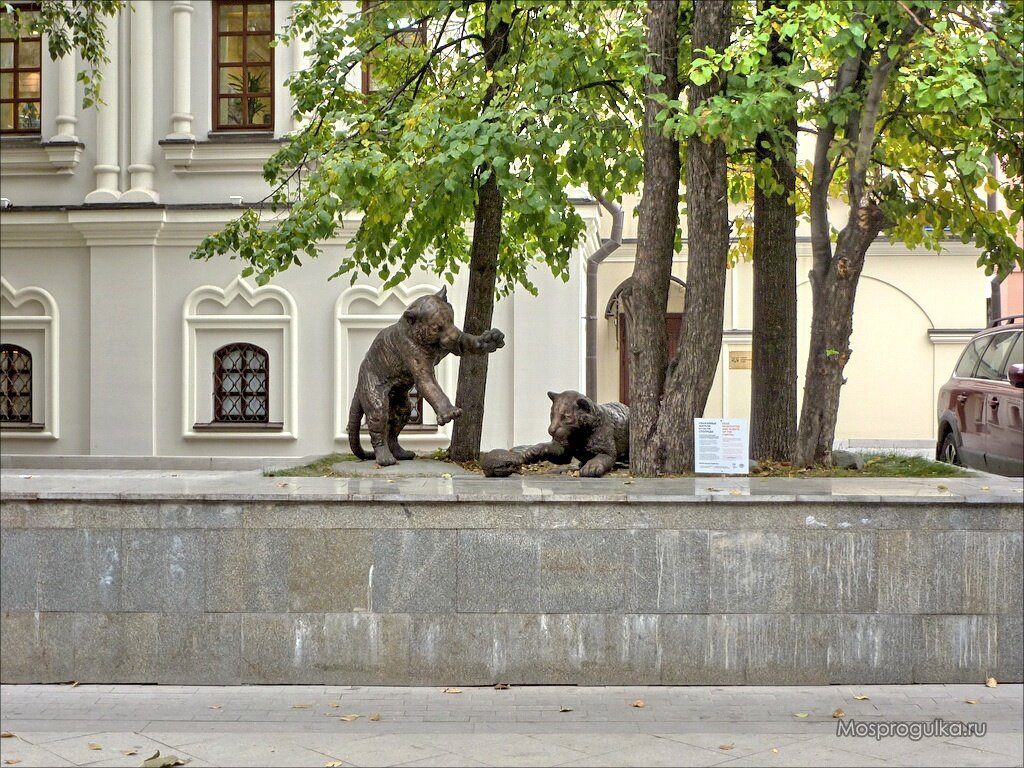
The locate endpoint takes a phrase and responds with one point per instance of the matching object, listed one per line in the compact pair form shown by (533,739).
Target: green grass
(875,465)
(319,468)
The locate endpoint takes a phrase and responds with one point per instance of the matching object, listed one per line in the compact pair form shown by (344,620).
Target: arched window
(241,384)
(15,384)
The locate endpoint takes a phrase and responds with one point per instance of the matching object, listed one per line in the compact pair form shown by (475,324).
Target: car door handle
(961,398)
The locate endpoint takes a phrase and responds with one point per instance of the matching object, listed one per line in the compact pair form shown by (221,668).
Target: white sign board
(721,446)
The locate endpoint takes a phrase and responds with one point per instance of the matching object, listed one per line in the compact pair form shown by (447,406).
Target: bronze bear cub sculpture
(597,435)
(404,354)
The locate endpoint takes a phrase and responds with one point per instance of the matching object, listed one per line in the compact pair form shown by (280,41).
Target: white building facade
(117,346)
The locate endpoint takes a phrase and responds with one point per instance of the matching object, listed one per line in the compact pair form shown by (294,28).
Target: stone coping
(252,486)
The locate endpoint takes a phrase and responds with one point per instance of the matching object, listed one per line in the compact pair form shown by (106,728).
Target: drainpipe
(607,247)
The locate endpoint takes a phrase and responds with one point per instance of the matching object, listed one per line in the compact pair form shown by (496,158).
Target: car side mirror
(1016,375)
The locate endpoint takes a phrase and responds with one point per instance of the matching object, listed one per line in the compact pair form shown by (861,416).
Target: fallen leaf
(163,761)
(799,714)
(6,735)
(985,488)
(735,492)
(333,764)
(350,718)
(375,717)
(860,697)
(565,709)
(129,751)
(302,706)
(990,682)
(446,475)
(775,750)
(502,687)
(971,701)
(627,482)
(12,761)
(726,746)
(93,745)
(943,487)
(214,706)
(334,705)
(452,690)
(839,713)
(639,704)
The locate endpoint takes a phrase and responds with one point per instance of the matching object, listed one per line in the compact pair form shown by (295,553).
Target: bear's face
(431,321)
(571,413)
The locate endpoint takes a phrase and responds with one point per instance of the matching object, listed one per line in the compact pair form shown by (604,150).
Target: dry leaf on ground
(12,761)
(129,752)
(164,761)
(350,718)
(375,717)
(565,709)
(334,764)
(502,687)
(94,745)
(302,706)
(214,706)
(971,701)
(639,704)
(452,690)
(799,714)
(333,704)
(726,746)
(6,735)
(775,750)
(839,713)
(990,682)
(860,697)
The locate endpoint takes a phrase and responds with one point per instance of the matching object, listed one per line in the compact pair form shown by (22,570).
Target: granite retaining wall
(460,590)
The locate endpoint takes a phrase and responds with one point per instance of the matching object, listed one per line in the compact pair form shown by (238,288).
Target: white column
(141,166)
(181,117)
(67,104)
(299,49)
(108,137)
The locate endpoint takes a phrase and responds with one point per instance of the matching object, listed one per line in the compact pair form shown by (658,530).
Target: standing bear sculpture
(404,354)
(596,434)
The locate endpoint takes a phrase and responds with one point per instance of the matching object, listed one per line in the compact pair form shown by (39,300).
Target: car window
(969,359)
(1016,356)
(992,359)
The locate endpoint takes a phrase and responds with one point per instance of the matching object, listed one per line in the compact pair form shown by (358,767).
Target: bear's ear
(443,294)
(585,404)
(411,315)
(552,395)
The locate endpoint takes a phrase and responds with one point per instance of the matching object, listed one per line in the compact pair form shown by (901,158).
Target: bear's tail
(355,415)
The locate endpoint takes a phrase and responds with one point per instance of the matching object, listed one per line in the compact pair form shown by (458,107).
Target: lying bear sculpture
(597,435)
(404,354)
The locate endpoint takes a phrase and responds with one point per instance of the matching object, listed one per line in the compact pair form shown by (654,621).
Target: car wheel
(949,453)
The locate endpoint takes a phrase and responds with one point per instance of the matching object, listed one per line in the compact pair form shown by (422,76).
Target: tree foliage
(411,156)
(67,26)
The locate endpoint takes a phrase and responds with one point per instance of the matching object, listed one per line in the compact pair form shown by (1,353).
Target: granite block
(836,572)
(955,649)
(703,649)
(413,571)
(164,570)
(1011,649)
(583,571)
(791,647)
(872,648)
(329,570)
(199,649)
(19,569)
(752,571)
(116,647)
(499,571)
(80,570)
(909,581)
(246,571)
(36,647)
(668,571)
(281,649)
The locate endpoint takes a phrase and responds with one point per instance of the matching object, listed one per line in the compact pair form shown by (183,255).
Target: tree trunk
(691,374)
(774,367)
(652,269)
(483,273)
(833,293)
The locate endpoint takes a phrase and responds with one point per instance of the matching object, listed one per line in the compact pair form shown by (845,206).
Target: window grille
(243,72)
(15,384)
(241,384)
(20,72)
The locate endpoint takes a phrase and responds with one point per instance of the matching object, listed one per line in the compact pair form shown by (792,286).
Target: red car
(981,407)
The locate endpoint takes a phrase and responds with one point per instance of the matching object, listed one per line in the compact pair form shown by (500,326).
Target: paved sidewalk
(57,725)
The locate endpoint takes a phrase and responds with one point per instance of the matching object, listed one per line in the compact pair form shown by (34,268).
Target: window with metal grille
(243,71)
(241,384)
(20,71)
(15,384)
